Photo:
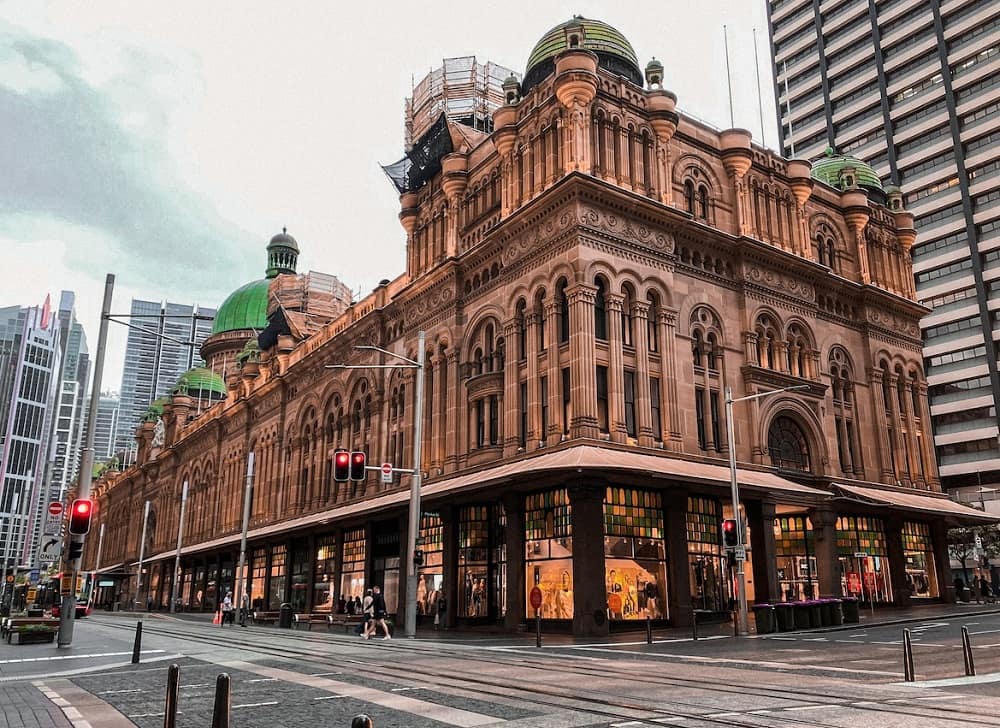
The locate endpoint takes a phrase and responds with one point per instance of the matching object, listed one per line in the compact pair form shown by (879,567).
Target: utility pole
(142,553)
(177,554)
(6,551)
(67,613)
(240,579)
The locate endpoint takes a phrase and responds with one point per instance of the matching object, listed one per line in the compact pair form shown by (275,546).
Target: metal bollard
(970,664)
(538,630)
(170,702)
(137,644)
(362,721)
(908,675)
(220,714)
(649,630)
(694,624)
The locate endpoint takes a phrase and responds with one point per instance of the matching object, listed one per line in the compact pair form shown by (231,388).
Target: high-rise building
(912,88)
(163,343)
(106,427)
(30,364)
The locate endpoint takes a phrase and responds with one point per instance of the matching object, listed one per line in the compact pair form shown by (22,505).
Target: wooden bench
(345,622)
(10,625)
(310,619)
(261,617)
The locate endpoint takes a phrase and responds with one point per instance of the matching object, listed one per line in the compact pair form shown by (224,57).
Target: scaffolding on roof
(463,90)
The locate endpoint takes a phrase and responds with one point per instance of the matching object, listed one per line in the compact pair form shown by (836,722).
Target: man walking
(227,609)
(378,607)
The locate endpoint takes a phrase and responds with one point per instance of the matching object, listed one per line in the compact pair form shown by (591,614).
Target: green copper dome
(246,308)
(613,51)
(155,409)
(201,383)
(829,167)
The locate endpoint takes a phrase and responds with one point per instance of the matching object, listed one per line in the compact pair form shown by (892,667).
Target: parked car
(82,610)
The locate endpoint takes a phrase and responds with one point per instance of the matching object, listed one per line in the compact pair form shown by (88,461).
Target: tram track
(602,705)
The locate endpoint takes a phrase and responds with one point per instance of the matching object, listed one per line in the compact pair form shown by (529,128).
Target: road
(287,678)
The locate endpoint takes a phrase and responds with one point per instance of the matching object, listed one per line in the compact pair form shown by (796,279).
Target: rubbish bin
(35,611)
(763,615)
(285,616)
(852,615)
(836,612)
(815,613)
(784,615)
(825,612)
(801,615)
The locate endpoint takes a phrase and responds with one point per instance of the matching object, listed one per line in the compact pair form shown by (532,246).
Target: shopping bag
(217,619)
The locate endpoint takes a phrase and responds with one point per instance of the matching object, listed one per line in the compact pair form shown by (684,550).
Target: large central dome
(613,51)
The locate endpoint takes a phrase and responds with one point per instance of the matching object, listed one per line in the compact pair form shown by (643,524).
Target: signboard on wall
(853,582)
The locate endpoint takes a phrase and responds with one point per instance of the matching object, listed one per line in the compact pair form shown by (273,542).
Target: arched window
(629,300)
(786,444)
(821,249)
(697,349)
(522,339)
(600,312)
(831,257)
(488,351)
(540,318)
(711,352)
(563,311)
(767,334)
(797,351)
(703,202)
(652,321)
(689,195)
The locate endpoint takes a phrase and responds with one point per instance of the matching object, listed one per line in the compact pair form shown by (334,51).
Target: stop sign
(55,508)
(535,598)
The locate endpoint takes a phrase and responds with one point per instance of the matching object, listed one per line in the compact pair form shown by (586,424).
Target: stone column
(751,351)
(583,382)
(511,393)
(898,444)
(643,411)
(616,368)
(678,562)
(913,452)
(552,370)
(942,561)
(531,321)
(437,415)
(897,561)
(760,516)
(513,506)
(881,423)
(456,399)
(590,616)
(824,526)
(670,407)
(449,562)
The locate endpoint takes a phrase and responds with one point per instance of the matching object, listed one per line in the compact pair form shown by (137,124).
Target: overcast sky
(167,142)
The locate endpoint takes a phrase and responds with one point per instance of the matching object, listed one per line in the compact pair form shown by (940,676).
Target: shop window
(654,405)
(864,565)
(709,585)
(302,565)
(276,584)
(258,578)
(918,552)
(352,575)
(602,399)
(796,558)
(430,578)
(473,561)
(323,575)
(634,555)
(630,403)
(549,553)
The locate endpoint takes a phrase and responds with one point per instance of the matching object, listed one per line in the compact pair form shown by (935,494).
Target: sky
(167,142)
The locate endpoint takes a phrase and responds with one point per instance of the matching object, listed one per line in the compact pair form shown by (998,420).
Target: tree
(962,544)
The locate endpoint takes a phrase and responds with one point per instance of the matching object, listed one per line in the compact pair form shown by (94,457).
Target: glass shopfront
(302,566)
(473,560)
(276,584)
(198,599)
(430,577)
(548,532)
(258,578)
(635,567)
(864,566)
(710,588)
(918,551)
(212,597)
(186,587)
(324,574)
(226,583)
(352,576)
(385,563)
(796,558)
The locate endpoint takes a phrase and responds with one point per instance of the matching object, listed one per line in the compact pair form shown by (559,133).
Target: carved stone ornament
(433,300)
(890,321)
(627,229)
(159,432)
(777,282)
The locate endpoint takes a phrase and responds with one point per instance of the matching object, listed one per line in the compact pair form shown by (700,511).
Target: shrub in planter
(34,633)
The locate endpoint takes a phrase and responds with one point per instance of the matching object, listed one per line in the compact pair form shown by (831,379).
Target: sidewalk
(26,706)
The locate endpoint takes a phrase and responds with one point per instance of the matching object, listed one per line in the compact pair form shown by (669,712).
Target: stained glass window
(547,515)
(917,536)
(861,534)
(629,512)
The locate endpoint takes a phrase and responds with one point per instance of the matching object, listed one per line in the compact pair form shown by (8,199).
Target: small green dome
(246,308)
(828,169)
(155,409)
(613,50)
(250,352)
(201,383)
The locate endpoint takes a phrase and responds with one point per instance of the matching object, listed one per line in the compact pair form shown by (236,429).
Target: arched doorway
(787,445)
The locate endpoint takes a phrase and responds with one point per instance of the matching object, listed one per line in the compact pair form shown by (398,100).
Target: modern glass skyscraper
(30,363)
(912,87)
(163,342)
(106,428)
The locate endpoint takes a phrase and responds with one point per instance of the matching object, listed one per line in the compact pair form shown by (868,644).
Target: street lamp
(410,623)
(740,553)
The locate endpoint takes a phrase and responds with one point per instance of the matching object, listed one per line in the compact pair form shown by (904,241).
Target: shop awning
(109,569)
(939,505)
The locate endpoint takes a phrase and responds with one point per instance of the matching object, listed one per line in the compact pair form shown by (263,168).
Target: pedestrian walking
(227,609)
(985,590)
(365,610)
(378,615)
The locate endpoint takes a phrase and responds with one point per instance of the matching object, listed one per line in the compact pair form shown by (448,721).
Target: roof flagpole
(729,78)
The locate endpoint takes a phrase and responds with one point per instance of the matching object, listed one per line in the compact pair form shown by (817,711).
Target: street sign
(55,508)
(386,472)
(66,586)
(53,520)
(49,549)
(535,598)
(740,553)
(33,576)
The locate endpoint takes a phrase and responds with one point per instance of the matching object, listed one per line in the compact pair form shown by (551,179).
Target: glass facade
(302,566)
(431,576)
(276,584)
(864,567)
(635,566)
(324,574)
(709,584)
(352,575)
(796,562)
(918,551)
(258,578)
(548,532)
(473,560)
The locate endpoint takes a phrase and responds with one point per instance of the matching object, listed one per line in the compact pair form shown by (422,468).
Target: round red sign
(55,508)
(535,598)
(387,468)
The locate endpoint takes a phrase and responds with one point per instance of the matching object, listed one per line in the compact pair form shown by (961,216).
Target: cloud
(85,154)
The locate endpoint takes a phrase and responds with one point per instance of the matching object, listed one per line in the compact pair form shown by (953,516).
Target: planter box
(36,637)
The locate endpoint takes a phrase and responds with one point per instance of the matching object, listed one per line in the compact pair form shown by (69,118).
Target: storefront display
(473,560)
(918,550)
(324,574)
(634,555)
(430,576)
(796,560)
(258,578)
(710,588)
(352,576)
(863,559)
(276,584)
(549,553)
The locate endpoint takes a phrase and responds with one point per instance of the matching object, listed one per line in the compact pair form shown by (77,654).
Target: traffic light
(357,465)
(341,466)
(75,550)
(79,516)
(729,532)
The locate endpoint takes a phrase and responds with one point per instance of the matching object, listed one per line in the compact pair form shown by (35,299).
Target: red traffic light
(729,532)
(357,465)
(341,466)
(79,516)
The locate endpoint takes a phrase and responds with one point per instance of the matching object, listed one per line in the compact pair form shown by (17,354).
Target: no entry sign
(535,598)
(55,508)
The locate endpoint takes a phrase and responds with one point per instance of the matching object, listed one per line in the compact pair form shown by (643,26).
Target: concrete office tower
(106,428)
(30,363)
(163,343)
(912,87)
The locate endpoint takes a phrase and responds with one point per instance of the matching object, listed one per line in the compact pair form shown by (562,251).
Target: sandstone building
(592,270)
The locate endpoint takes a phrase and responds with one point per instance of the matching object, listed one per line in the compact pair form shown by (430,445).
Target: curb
(889,623)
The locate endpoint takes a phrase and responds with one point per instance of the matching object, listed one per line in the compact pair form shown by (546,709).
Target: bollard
(137,644)
(362,721)
(538,629)
(170,703)
(970,664)
(220,714)
(649,630)
(694,624)
(908,675)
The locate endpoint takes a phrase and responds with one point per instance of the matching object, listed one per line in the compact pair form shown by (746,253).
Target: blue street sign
(33,576)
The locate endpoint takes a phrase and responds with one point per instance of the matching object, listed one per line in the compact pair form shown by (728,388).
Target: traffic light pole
(177,554)
(67,611)
(743,618)
(240,577)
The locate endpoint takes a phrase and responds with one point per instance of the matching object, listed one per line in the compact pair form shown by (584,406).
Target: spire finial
(284,230)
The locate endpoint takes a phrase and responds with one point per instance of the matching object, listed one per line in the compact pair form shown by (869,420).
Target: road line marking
(73,657)
(113,692)
(669,719)
(952,681)
(330,697)
(762,711)
(979,647)
(853,642)
(196,685)
(262,679)
(324,674)
(255,705)
(722,715)
(809,707)
(622,725)
(939,697)
(984,631)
